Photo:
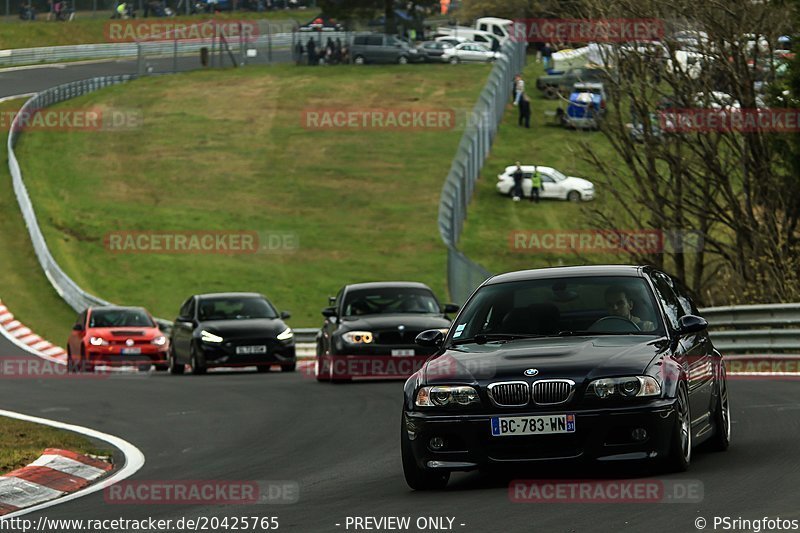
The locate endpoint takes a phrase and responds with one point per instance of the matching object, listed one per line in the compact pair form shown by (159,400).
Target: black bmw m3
(603,363)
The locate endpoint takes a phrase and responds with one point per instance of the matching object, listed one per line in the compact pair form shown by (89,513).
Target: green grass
(23,286)
(87,29)
(22,443)
(493,217)
(227,151)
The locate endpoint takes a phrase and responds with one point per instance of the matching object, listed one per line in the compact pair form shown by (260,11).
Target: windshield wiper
(594,333)
(483,338)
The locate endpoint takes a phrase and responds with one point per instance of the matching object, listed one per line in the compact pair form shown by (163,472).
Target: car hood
(575,358)
(410,321)
(579,183)
(244,328)
(124,332)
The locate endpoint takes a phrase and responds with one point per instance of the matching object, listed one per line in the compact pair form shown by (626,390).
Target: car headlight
(358,337)
(446,395)
(207,336)
(628,387)
(98,341)
(286,334)
(161,340)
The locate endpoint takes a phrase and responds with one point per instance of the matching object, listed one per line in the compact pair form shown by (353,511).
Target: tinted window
(389,301)
(375,40)
(669,301)
(361,39)
(235,308)
(185,308)
(497,30)
(603,305)
(484,27)
(120,318)
(688,306)
(81,319)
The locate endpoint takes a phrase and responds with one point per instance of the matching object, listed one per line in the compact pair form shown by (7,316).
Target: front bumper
(277,353)
(113,355)
(600,435)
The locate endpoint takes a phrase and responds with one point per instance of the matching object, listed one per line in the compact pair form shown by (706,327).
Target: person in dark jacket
(311,50)
(525,111)
(518,176)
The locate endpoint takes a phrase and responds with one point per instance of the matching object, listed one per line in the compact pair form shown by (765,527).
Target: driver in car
(620,304)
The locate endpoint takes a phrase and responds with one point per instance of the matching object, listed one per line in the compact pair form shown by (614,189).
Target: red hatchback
(116,336)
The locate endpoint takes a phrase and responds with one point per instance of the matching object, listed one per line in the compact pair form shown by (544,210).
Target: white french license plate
(532,425)
(246,350)
(402,353)
(131,351)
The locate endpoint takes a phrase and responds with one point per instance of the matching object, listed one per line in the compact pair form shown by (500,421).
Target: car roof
(230,295)
(632,271)
(525,168)
(387,285)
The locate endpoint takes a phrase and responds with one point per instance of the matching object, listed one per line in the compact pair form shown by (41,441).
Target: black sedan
(603,363)
(370,330)
(434,51)
(230,329)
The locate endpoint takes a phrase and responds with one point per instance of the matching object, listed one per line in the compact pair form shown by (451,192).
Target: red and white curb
(26,339)
(32,491)
(54,474)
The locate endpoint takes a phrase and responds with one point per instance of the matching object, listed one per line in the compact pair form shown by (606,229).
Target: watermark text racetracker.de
(128,31)
(201,242)
(202,492)
(391,119)
(641,241)
(86,119)
(587,30)
(606,491)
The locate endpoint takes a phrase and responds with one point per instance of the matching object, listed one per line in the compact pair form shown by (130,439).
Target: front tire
(454,60)
(198,365)
(359,60)
(291,367)
(681,448)
(418,478)
(574,196)
(402,60)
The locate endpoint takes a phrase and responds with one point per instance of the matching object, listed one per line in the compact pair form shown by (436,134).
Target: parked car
(377,320)
(590,363)
(434,51)
(235,329)
(562,83)
(555,185)
(488,40)
(380,48)
(471,52)
(116,336)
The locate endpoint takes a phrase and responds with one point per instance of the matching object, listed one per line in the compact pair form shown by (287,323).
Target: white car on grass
(555,185)
(471,52)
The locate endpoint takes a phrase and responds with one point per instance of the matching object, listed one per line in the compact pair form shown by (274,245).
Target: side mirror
(451,308)
(431,338)
(331,300)
(286,315)
(329,312)
(691,324)
(77,327)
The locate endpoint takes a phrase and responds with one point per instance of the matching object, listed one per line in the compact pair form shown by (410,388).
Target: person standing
(536,185)
(519,88)
(547,54)
(518,176)
(525,111)
(311,50)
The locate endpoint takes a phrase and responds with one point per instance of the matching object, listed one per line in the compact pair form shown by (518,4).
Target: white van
(465,33)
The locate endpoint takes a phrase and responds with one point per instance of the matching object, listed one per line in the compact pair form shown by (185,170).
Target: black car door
(183,329)
(690,350)
(331,324)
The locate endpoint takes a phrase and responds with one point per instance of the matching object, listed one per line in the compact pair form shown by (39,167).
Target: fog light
(639,434)
(437,443)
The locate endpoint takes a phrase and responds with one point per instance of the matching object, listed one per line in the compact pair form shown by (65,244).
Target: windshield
(557,176)
(564,306)
(120,318)
(236,308)
(390,301)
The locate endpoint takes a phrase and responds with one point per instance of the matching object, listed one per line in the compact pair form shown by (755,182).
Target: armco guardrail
(754,329)
(69,291)
(163,48)
(463,274)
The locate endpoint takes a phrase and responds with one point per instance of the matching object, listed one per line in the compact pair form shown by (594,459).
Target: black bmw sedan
(370,330)
(230,329)
(603,363)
